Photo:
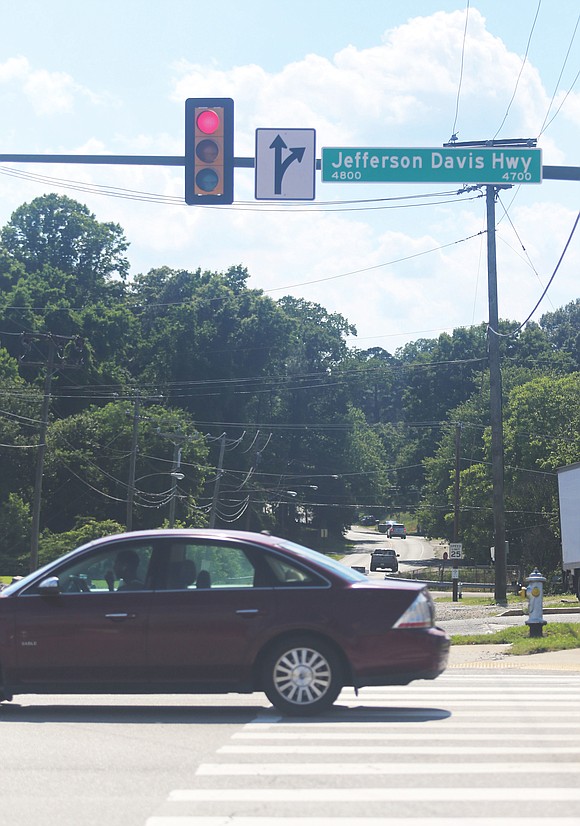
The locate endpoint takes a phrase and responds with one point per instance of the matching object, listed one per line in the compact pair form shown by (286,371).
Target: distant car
(384,527)
(397,530)
(213,611)
(368,520)
(383,558)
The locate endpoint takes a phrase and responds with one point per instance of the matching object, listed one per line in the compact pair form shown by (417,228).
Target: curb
(517,612)
(498,656)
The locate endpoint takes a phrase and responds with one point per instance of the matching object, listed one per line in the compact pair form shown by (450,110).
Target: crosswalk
(491,748)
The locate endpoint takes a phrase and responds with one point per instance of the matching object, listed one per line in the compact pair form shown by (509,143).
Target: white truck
(569,496)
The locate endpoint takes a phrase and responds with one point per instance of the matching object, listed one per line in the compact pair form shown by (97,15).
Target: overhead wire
(267,206)
(454,129)
(390,263)
(527,257)
(524,60)
(547,122)
(541,298)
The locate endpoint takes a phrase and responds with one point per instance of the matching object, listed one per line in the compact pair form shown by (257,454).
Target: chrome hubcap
(302,676)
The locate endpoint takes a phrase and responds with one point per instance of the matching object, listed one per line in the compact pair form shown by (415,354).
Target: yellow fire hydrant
(534,593)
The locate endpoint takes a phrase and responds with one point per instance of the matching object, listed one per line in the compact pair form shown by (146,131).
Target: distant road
(411,549)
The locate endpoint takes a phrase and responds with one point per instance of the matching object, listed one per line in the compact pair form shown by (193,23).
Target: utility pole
(133,463)
(456,506)
(175,475)
(495,404)
(178,440)
(68,344)
(37,499)
(495,387)
(216,488)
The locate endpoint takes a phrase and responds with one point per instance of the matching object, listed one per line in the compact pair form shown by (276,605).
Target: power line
(541,298)
(453,131)
(355,205)
(547,122)
(521,70)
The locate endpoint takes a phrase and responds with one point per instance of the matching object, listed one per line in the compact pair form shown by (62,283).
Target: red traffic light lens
(208,121)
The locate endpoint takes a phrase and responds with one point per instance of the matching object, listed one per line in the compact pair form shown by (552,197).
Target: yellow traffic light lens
(207,150)
(208,121)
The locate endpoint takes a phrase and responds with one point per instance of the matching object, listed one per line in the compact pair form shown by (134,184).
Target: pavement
(498,656)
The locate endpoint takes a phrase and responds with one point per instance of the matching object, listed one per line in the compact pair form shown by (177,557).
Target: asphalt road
(366,540)
(474,746)
(480,744)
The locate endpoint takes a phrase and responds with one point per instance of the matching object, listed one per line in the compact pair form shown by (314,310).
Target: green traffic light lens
(207,180)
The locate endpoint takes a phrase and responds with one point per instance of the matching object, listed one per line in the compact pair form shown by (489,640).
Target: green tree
(52,545)
(56,233)
(88,461)
(562,328)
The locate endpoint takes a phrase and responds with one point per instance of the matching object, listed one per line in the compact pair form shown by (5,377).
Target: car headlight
(420,614)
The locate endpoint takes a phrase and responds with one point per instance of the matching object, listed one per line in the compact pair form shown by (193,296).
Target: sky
(399,261)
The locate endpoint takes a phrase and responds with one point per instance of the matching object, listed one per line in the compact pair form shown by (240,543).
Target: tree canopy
(186,392)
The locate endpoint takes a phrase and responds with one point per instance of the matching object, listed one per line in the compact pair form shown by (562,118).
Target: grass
(513,601)
(557,636)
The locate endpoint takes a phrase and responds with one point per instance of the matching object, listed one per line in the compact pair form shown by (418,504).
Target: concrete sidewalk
(458,620)
(497,656)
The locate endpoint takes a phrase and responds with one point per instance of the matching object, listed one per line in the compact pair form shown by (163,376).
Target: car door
(92,630)
(204,630)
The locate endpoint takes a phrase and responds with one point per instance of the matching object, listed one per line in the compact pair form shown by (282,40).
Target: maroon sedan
(212,611)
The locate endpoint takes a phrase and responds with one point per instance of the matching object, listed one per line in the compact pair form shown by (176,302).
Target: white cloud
(400,92)
(49,93)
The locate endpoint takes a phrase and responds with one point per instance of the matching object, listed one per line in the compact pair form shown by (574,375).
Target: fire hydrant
(535,596)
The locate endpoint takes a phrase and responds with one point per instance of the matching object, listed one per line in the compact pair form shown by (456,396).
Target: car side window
(199,566)
(120,567)
(286,574)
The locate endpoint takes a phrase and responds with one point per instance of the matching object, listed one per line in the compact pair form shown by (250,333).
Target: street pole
(216,489)
(495,404)
(133,464)
(36,503)
(456,507)
(174,479)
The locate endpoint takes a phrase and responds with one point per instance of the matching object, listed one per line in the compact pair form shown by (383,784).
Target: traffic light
(209,151)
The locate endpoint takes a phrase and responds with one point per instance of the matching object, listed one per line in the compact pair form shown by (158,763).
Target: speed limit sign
(455,550)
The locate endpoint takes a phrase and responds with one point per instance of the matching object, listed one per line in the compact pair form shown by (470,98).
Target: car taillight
(420,614)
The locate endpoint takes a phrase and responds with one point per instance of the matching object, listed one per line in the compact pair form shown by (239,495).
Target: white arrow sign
(285,164)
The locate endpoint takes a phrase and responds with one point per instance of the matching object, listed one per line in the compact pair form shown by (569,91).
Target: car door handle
(248,612)
(119,617)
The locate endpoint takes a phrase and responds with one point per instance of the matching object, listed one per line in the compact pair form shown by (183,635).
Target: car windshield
(321,559)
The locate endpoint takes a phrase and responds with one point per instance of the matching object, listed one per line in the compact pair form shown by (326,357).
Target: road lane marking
(234,820)
(370,794)
(454,750)
(378,768)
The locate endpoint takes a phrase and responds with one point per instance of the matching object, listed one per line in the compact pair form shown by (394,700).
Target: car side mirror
(49,587)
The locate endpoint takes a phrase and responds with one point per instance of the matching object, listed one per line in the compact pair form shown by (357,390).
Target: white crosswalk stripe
(487,749)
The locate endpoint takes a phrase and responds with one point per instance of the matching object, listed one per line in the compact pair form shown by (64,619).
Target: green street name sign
(465,165)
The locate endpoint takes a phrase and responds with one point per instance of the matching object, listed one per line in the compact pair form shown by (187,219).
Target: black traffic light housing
(209,151)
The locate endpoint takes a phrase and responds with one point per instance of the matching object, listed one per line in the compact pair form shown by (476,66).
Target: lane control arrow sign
(285,164)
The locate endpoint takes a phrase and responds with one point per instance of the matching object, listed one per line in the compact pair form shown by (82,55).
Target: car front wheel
(302,676)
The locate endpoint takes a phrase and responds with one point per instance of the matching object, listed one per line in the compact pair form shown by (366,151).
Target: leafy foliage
(270,418)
